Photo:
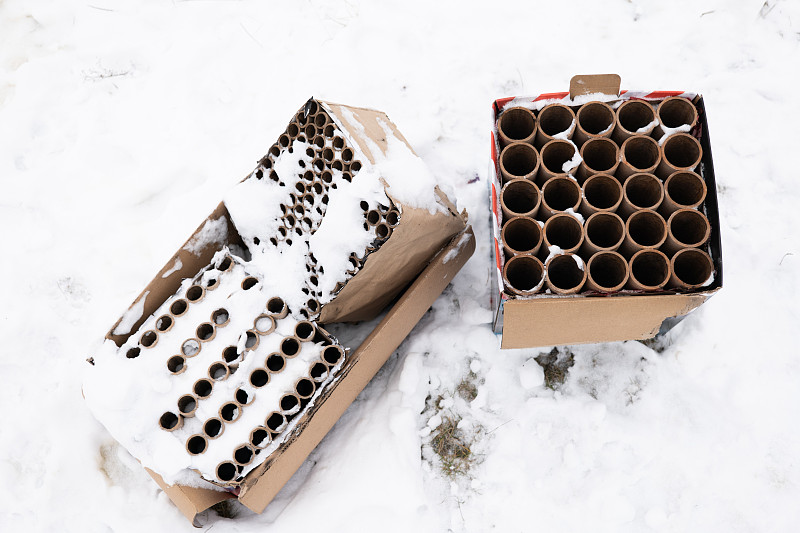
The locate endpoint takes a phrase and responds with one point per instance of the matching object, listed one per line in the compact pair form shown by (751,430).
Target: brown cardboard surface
(265,481)
(369,120)
(189,500)
(556,321)
(594,83)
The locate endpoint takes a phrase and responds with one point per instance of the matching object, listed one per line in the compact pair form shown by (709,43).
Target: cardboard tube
(554,156)
(638,154)
(289,404)
(213,428)
(691,269)
(305,330)
(644,229)
(148,339)
(332,355)
(383,231)
(559,194)
(226,471)
(310,130)
(680,153)
(230,354)
(251,340)
(599,155)
(304,388)
(607,272)
(600,192)
(347,155)
(373,217)
(191,347)
(178,307)
(284,141)
(164,323)
(318,371)
(565,274)
(393,218)
(277,307)
(230,412)
(292,130)
(355,166)
(327,155)
(594,119)
(338,143)
(275,362)
(205,332)
(634,117)
(523,275)
(249,282)
(603,232)
(649,270)
(554,119)
(682,190)
(521,235)
(518,160)
(674,112)
(640,191)
(218,371)
(313,307)
(243,397)
(196,444)
(260,437)
(169,421)
(686,228)
(176,364)
(202,387)
(133,353)
(564,231)
(195,293)
(275,422)
(321,120)
(516,124)
(259,378)
(264,324)
(220,317)
(187,405)
(243,455)
(519,198)
(290,347)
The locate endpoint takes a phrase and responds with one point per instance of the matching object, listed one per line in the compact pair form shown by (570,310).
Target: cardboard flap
(594,83)
(190,501)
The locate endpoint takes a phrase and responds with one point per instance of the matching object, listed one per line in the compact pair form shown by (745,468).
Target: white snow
(177,265)
(123,125)
(131,316)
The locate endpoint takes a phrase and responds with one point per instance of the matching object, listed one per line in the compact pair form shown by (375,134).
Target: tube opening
(644,191)
(524,273)
(190,347)
(517,123)
(205,331)
(176,364)
(373,217)
(519,196)
(692,266)
(555,154)
(304,388)
(641,152)
(564,273)
(600,154)
(259,377)
(635,114)
(220,317)
(338,143)
(178,307)
(608,270)
(187,404)
(605,230)
(304,330)
(393,217)
(163,323)
(686,189)
(646,228)
(276,305)
(312,305)
(347,155)
(148,338)
(229,412)
(332,355)
(243,454)
(355,166)
(292,129)
(133,353)
(290,347)
(561,194)
(251,340)
(213,427)
(260,437)
(202,388)
(564,231)
(241,396)
(595,118)
(249,282)
(289,403)
(318,371)
(284,141)
(675,112)
(383,231)
(226,471)
(320,120)
(275,422)
(218,371)
(682,151)
(196,444)
(689,227)
(169,421)
(195,293)
(310,130)
(650,268)
(555,119)
(522,234)
(275,363)
(264,324)
(230,353)
(518,159)
(602,191)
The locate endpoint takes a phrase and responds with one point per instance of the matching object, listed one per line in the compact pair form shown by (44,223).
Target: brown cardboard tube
(275,422)
(682,190)
(292,130)
(249,282)
(310,130)
(230,354)
(639,154)
(594,119)
(674,112)
(347,155)
(259,378)
(564,274)
(523,275)
(196,444)
(148,339)
(338,143)
(383,231)
(243,455)
(553,157)
(393,218)
(327,155)
(195,293)
(275,362)
(318,371)
(691,269)
(355,166)
(606,272)
(519,198)
(178,307)
(601,192)
(251,340)
(191,347)
(304,388)
(643,229)
(599,155)
(202,387)
(289,404)
(516,124)
(521,235)
(649,270)
(313,307)
(640,191)
(220,317)
(554,119)
(321,120)
(686,228)
(632,116)
(373,217)
(164,323)
(305,330)
(518,160)
(226,471)
(332,355)
(564,231)
(284,141)
(230,412)
(680,153)
(264,324)
(169,421)
(260,437)
(176,364)
(603,232)
(277,307)
(205,332)
(213,428)
(559,194)
(218,371)
(187,405)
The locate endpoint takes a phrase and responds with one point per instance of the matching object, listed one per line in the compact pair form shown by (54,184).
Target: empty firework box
(407,272)
(543,318)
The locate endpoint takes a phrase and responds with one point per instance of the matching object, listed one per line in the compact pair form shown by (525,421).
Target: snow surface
(123,124)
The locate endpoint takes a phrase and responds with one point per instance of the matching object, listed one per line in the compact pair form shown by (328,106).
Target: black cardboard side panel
(712,206)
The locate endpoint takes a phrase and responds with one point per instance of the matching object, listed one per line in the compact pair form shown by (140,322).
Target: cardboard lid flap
(594,83)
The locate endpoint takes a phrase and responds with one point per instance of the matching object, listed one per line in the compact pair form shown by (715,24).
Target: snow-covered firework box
(220,378)
(544,318)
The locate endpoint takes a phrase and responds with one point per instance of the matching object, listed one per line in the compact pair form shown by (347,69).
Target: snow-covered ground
(123,124)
